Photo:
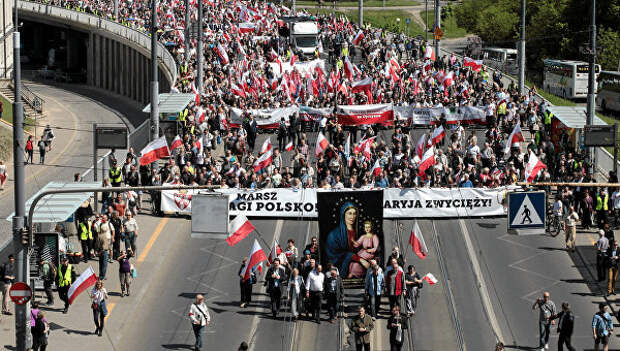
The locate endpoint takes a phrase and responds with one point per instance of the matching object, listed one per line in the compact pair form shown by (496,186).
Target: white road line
(251,337)
(482,286)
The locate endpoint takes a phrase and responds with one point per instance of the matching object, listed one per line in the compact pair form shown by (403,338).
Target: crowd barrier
(397,203)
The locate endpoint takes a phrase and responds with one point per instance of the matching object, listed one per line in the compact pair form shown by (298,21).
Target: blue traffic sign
(526,210)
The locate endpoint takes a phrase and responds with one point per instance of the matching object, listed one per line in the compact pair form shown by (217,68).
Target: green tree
(609,40)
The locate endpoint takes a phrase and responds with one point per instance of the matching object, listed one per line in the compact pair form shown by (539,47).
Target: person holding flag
(413,282)
(98,295)
(246,285)
(66,276)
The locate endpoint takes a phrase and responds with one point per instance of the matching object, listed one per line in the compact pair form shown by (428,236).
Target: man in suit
(334,293)
(395,322)
(565,327)
(276,276)
(612,265)
(362,326)
(251,129)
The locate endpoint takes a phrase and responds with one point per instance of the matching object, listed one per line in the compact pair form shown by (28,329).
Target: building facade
(6,39)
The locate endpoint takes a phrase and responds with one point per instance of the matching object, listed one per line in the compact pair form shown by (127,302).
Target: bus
(505,60)
(608,95)
(567,79)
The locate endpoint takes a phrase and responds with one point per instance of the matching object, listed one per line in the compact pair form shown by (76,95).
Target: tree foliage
(554,28)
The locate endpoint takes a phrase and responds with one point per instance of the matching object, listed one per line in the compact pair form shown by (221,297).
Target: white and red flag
(376,169)
(266,146)
(515,137)
(289,146)
(246,27)
(196,93)
(430,279)
(276,252)
(438,134)
(83,282)
(237,90)
(321,144)
(221,53)
(238,229)
(475,65)
(419,147)
(257,255)
(155,150)
(417,241)
(428,160)
(358,37)
(201,115)
(293,60)
(429,54)
(533,167)
(263,161)
(176,142)
(348,68)
(361,85)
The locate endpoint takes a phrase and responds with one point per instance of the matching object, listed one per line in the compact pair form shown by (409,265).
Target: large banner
(415,116)
(302,67)
(351,230)
(355,115)
(265,118)
(433,202)
(307,113)
(431,115)
(465,115)
(397,203)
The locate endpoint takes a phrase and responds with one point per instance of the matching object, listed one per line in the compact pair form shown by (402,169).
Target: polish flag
(428,160)
(395,64)
(237,90)
(430,279)
(417,241)
(438,134)
(361,85)
(321,144)
(198,144)
(515,137)
(221,53)
(246,27)
(348,68)
(238,229)
(289,146)
(177,142)
(428,65)
(83,282)
(263,161)
(273,55)
(201,115)
(266,146)
(475,65)
(358,37)
(197,98)
(429,53)
(155,150)
(276,251)
(376,169)
(347,147)
(293,59)
(257,255)
(533,167)
(419,147)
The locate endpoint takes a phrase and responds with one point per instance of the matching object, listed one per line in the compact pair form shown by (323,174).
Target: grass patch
(369,3)
(6,145)
(7,115)
(448,25)
(385,19)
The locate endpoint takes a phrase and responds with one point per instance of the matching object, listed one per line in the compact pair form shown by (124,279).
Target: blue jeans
(130,242)
(99,315)
(544,327)
(103,263)
(198,330)
(375,303)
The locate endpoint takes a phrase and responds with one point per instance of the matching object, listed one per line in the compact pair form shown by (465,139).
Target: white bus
(608,95)
(505,60)
(567,79)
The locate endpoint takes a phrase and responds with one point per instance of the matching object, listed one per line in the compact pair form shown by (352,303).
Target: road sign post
(20,293)
(527,212)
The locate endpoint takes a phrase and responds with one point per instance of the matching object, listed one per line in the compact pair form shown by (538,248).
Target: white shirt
(199,314)
(98,295)
(557,208)
(315,280)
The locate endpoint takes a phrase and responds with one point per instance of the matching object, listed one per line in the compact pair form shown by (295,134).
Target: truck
(303,38)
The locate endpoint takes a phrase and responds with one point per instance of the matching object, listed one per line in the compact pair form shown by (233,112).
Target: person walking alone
(39,329)
(8,278)
(547,310)
(48,274)
(29,150)
(200,318)
(124,272)
(396,324)
(612,266)
(42,144)
(99,295)
(413,282)
(602,327)
(66,276)
(570,228)
(566,322)
(362,325)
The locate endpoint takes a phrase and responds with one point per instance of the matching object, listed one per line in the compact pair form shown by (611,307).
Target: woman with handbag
(99,295)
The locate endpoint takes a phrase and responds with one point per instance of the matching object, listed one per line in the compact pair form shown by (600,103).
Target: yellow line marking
(110,308)
(152,239)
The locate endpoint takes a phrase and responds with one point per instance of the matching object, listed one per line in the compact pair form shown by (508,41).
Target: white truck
(304,37)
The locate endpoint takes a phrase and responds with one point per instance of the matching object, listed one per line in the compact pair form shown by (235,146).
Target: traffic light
(26,237)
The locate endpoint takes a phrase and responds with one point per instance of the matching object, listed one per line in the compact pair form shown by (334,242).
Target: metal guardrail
(139,40)
(32,99)
(139,137)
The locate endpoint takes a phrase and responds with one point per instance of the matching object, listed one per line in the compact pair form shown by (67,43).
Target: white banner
(397,203)
(307,113)
(349,115)
(265,118)
(415,116)
(426,115)
(434,202)
(301,67)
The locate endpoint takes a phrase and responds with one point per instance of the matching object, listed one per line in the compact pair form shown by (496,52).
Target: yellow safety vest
(66,280)
(115,175)
(548,117)
(183,115)
(345,51)
(339,64)
(600,203)
(85,231)
(501,110)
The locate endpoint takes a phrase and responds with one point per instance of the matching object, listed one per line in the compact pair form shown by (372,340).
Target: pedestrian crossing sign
(526,210)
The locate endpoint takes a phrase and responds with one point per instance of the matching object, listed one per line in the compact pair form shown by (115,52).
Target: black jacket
(402,319)
(567,325)
(271,282)
(339,288)
(608,257)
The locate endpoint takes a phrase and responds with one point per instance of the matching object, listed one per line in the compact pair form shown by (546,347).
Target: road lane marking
(110,307)
(482,286)
(254,327)
(152,239)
